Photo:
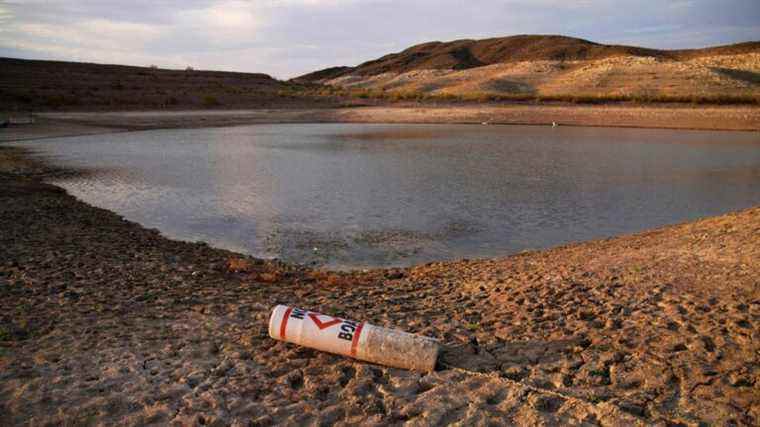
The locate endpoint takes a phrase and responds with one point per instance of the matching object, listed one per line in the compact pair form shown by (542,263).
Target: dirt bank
(103,321)
(673,117)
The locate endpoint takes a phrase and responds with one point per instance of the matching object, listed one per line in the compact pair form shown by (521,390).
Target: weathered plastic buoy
(359,340)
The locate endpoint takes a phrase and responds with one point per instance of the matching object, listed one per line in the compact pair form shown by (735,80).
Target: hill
(538,65)
(514,68)
(54,85)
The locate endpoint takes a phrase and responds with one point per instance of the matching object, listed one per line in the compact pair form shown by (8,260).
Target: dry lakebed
(105,322)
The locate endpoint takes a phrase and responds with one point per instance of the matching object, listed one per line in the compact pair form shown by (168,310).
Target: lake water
(355,195)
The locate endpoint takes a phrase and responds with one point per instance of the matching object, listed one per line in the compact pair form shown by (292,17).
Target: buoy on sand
(359,340)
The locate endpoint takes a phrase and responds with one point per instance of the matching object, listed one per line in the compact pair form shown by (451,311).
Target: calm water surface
(350,195)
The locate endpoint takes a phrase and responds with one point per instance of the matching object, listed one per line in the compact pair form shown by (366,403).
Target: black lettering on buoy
(345,336)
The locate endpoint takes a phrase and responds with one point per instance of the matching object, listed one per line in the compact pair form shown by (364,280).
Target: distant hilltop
(58,85)
(546,65)
(467,53)
(532,68)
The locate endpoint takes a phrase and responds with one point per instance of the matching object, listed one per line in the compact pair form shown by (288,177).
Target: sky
(287,38)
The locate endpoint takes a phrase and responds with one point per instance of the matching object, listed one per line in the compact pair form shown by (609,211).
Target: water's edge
(315,166)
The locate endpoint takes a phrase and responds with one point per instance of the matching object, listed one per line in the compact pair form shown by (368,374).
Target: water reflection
(365,195)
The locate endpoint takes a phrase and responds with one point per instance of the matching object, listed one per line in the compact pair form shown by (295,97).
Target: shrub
(478,97)
(24,98)
(406,95)
(210,101)
(55,101)
(591,99)
(445,97)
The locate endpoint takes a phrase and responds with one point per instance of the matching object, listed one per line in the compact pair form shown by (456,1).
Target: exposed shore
(104,321)
(744,118)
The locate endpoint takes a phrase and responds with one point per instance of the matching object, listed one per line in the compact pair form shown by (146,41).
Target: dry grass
(55,85)
(472,54)
(484,97)
(727,79)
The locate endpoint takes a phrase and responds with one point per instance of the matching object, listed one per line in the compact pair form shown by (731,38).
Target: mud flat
(103,321)
(651,116)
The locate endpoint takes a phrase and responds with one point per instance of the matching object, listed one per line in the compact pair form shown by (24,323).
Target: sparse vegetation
(482,97)
(40,86)
(554,69)
(37,85)
(210,101)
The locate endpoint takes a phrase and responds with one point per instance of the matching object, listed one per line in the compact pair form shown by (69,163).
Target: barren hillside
(554,66)
(53,85)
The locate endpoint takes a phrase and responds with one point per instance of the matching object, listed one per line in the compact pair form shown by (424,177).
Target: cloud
(289,37)
(224,21)
(95,33)
(5,14)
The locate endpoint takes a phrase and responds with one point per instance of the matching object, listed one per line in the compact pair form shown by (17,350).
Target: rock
(633,408)
(599,376)
(239,265)
(211,348)
(71,295)
(611,358)
(262,421)
(194,379)
(613,324)
(571,365)
(738,379)
(515,373)
(743,323)
(545,403)
(708,343)
(268,277)
(294,380)
(560,380)
(394,275)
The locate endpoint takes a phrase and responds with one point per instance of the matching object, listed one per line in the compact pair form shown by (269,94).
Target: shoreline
(106,321)
(712,118)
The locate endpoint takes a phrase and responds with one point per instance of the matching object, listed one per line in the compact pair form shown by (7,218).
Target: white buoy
(359,340)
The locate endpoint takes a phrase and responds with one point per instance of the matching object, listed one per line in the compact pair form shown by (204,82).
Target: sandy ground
(50,129)
(675,117)
(719,75)
(105,322)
